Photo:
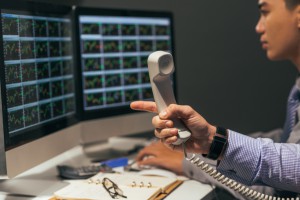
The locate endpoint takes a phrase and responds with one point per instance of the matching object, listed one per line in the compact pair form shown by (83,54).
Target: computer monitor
(112,51)
(37,85)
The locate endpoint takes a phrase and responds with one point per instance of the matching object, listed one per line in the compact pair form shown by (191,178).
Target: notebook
(134,186)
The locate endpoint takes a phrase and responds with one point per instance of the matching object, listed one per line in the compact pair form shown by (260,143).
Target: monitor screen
(37,75)
(114,46)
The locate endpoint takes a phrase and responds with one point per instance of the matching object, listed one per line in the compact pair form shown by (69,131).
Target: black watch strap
(218,143)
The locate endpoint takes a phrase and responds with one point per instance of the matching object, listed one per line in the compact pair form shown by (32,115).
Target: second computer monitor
(112,58)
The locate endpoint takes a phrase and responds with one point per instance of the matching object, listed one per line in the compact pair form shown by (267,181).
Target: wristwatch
(218,143)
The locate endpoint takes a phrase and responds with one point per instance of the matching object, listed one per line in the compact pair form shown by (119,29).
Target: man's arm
(261,161)
(247,160)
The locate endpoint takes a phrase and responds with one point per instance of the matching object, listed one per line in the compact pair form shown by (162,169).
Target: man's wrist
(218,142)
(211,133)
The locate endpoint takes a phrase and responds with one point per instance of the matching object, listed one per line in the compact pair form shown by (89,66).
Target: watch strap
(218,143)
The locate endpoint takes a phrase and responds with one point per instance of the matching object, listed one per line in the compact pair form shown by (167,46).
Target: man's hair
(290,4)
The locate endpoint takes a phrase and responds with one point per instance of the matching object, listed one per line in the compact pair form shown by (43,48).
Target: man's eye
(264,12)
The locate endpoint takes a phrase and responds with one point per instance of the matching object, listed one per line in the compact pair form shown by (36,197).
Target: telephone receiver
(161,67)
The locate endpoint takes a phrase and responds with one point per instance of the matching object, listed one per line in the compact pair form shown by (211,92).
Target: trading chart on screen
(38,65)
(114,53)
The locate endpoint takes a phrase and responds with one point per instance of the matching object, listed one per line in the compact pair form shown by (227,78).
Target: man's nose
(260,27)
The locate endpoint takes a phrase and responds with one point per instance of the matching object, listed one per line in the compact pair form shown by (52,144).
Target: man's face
(278,29)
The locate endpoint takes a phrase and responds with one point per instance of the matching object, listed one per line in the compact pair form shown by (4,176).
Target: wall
(222,71)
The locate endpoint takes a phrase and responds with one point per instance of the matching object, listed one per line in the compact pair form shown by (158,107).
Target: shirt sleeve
(261,161)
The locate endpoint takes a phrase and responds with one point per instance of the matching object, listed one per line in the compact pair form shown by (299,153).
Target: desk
(39,183)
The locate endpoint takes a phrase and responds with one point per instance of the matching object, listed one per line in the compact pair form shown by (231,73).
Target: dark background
(221,69)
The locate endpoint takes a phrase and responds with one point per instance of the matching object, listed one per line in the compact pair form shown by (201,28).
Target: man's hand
(160,156)
(202,131)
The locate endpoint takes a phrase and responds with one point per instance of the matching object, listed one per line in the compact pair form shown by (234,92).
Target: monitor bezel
(121,110)
(38,131)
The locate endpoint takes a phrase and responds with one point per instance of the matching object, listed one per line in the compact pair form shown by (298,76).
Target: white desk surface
(41,182)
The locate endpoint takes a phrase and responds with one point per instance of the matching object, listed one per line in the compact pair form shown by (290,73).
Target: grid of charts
(39,69)
(114,53)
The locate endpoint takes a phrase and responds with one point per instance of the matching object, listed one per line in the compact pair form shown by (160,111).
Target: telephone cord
(246,191)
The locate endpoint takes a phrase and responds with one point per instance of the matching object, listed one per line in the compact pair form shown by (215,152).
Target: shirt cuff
(241,158)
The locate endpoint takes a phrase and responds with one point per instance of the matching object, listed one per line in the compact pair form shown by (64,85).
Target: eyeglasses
(113,190)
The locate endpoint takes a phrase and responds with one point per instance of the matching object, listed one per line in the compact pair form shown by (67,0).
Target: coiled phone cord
(246,191)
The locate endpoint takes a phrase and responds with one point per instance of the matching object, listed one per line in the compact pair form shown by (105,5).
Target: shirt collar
(298,83)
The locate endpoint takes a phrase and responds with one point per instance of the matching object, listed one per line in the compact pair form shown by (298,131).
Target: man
(244,159)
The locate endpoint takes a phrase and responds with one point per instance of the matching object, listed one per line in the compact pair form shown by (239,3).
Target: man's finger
(148,106)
